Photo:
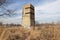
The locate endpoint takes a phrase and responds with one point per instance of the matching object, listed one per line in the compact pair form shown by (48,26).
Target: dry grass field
(41,32)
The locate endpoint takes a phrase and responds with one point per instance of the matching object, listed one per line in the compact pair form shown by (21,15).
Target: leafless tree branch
(8,11)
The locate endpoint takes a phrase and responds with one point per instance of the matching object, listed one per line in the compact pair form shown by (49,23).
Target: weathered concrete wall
(28,16)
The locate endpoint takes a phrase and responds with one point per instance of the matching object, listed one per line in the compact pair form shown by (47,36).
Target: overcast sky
(45,11)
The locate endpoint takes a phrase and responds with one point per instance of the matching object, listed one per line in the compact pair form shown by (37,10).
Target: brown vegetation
(41,32)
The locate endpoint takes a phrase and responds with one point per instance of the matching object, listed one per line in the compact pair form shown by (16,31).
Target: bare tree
(8,12)
(2,2)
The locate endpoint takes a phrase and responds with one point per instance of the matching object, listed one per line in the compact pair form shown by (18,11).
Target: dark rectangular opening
(30,8)
(27,13)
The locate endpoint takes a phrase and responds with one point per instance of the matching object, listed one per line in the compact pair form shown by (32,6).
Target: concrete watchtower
(28,16)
